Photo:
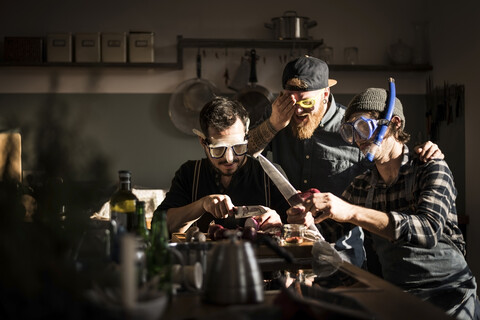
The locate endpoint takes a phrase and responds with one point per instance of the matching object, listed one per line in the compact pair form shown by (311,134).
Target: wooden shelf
(183,43)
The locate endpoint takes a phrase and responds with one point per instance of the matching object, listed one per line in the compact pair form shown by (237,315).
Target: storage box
(59,47)
(87,47)
(140,47)
(114,47)
(23,49)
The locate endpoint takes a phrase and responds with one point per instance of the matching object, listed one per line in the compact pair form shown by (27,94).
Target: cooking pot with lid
(290,26)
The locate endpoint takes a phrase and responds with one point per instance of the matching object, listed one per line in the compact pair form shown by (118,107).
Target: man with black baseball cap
(302,132)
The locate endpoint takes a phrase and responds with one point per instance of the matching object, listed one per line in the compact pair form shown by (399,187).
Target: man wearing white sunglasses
(207,190)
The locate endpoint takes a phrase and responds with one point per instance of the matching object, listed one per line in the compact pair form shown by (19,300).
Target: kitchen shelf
(226,43)
(364,67)
(249,43)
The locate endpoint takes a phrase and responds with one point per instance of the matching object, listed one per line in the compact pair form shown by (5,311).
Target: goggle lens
(307,103)
(218,152)
(362,127)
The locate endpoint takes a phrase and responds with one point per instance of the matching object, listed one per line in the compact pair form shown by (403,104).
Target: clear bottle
(123,204)
(159,259)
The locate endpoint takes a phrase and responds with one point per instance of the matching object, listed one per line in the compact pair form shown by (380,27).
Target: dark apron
(439,275)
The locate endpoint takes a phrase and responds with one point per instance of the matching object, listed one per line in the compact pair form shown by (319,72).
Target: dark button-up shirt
(249,186)
(325,161)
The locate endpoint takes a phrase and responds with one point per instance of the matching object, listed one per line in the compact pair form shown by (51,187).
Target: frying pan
(189,98)
(254,97)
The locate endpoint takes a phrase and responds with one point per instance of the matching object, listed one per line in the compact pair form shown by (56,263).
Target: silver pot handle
(290,12)
(311,24)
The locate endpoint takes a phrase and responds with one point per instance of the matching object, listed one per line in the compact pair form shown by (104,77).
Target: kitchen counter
(369,298)
(349,292)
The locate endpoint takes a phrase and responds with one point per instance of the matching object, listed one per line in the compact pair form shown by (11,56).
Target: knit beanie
(374,99)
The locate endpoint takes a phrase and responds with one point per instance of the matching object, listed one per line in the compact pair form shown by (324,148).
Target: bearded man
(302,132)
(208,189)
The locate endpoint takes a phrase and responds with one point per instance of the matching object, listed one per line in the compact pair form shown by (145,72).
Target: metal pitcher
(233,275)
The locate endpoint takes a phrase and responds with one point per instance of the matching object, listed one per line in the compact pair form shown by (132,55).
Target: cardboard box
(114,48)
(87,47)
(59,47)
(140,47)
(23,49)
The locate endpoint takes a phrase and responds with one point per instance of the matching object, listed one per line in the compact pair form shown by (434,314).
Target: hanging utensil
(254,97)
(189,98)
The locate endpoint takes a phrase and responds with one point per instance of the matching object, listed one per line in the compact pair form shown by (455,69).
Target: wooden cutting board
(299,250)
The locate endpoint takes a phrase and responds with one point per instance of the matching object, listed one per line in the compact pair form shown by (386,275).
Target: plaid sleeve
(435,195)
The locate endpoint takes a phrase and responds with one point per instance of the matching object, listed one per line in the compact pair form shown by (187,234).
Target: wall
(123,112)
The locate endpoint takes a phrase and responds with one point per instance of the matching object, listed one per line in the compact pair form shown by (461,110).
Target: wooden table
(375,297)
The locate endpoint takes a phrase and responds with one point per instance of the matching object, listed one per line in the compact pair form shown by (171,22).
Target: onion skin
(251,222)
(249,233)
(307,194)
(212,229)
(220,234)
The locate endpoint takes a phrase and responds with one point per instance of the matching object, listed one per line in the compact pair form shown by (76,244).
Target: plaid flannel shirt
(430,213)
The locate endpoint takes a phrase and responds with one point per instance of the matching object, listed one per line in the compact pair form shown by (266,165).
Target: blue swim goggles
(363,127)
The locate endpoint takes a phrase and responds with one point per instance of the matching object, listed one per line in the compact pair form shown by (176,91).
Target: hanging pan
(254,97)
(189,98)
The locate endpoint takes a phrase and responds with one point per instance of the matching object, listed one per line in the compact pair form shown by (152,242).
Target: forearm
(377,222)
(260,137)
(180,219)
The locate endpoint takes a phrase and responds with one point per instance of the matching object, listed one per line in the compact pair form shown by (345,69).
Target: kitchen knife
(284,186)
(287,190)
(248,211)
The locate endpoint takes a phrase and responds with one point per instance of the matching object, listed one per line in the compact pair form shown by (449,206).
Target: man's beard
(306,131)
(229,174)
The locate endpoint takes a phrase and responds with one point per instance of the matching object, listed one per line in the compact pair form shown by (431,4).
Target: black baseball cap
(312,71)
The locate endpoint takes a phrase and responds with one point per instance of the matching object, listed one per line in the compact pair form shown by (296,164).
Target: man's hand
(268,220)
(219,205)
(428,151)
(321,206)
(282,110)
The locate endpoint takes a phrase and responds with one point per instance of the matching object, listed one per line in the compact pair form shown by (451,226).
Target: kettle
(233,274)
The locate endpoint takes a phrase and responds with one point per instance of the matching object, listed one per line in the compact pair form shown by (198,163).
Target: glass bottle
(123,204)
(141,224)
(159,259)
(141,235)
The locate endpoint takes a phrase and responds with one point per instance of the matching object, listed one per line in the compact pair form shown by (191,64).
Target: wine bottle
(123,203)
(159,259)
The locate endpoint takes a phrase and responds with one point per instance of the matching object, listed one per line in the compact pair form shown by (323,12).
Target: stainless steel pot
(290,26)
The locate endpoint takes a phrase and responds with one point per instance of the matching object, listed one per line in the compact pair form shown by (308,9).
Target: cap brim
(332,82)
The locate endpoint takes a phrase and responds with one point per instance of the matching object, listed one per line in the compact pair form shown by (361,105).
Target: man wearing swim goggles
(360,129)
(407,208)
(208,190)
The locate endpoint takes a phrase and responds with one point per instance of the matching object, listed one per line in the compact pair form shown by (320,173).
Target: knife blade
(284,186)
(248,211)
(287,190)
